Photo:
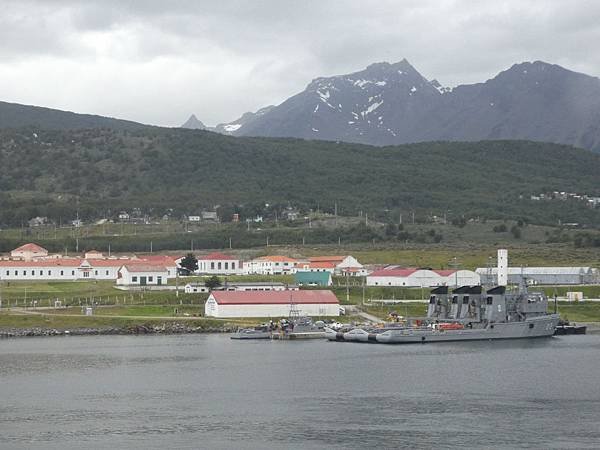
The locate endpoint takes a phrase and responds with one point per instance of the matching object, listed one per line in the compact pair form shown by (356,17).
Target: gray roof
(538,270)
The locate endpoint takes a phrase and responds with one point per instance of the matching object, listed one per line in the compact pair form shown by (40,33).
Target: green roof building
(313,278)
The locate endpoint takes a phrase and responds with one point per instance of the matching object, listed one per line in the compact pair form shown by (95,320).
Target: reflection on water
(211,392)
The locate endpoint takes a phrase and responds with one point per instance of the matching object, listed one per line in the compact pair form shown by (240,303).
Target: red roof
(55,262)
(217,256)
(321,265)
(445,273)
(135,268)
(276,258)
(332,259)
(155,259)
(30,248)
(76,262)
(274,297)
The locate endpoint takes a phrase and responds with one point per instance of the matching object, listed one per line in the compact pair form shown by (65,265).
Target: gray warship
(468,313)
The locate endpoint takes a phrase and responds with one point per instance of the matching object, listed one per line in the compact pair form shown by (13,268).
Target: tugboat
(469,313)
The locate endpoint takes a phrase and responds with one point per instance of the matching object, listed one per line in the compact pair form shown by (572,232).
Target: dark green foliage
(500,228)
(99,172)
(516,232)
(587,240)
(190,262)
(459,222)
(213,282)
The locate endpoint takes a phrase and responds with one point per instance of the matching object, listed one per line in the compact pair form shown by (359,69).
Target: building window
(212,265)
(73,272)
(25,273)
(41,273)
(232,266)
(219,265)
(33,273)
(49,273)
(7,273)
(96,273)
(62,273)
(107,272)
(134,279)
(86,274)
(226,266)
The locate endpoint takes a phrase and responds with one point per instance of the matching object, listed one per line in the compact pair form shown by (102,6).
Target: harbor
(209,391)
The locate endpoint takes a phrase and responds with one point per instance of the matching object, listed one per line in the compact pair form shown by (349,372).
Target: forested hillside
(99,172)
(15,115)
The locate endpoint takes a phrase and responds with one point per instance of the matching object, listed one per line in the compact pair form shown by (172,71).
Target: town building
(312,278)
(229,304)
(343,265)
(28,252)
(412,277)
(191,288)
(142,275)
(219,264)
(42,267)
(270,265)
(542,275)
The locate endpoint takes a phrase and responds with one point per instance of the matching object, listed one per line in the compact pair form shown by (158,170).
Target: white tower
(502,267)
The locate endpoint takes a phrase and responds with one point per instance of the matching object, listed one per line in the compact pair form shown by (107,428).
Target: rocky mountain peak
(193,123)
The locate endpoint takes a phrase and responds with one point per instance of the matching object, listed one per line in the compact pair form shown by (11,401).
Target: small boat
(260,332)
(564,327)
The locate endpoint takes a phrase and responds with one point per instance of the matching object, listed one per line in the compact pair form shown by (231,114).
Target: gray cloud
(157,62)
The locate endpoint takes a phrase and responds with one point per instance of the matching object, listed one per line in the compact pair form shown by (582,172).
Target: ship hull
(542,326)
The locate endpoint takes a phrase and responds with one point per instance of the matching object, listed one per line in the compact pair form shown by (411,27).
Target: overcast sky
(157,61)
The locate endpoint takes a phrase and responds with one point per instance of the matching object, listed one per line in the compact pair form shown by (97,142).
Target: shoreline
(165,328)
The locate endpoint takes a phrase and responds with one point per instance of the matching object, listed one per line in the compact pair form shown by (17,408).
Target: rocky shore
(170,328)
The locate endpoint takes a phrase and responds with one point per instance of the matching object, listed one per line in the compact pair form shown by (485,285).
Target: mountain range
(390,104)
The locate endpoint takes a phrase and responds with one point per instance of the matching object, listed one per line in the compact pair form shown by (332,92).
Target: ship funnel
(502,267)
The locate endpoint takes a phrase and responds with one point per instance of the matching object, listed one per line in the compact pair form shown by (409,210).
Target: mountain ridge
(392,103)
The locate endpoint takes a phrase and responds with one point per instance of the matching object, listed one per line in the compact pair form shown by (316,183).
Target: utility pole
(150,246)
(367,219)
(347,289)
(192,245)
(267,241)
(413,217)
(335,213)
(230,243)
(400,222)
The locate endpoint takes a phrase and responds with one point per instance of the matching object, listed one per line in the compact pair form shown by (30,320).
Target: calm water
(211,392)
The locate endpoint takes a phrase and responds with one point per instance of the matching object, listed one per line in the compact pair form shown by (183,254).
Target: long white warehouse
(398,276)
(229,304)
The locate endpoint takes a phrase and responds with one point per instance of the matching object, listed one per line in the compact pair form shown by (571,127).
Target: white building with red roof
(29,251)
(230,304)
(413,277)
(343,265)
(73,269)
(271,265)
(217,263)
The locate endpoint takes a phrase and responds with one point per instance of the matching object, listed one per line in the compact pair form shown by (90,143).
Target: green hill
(14,115)
(97,172)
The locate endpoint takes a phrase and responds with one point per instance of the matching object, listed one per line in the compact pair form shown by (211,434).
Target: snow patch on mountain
(232,127)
